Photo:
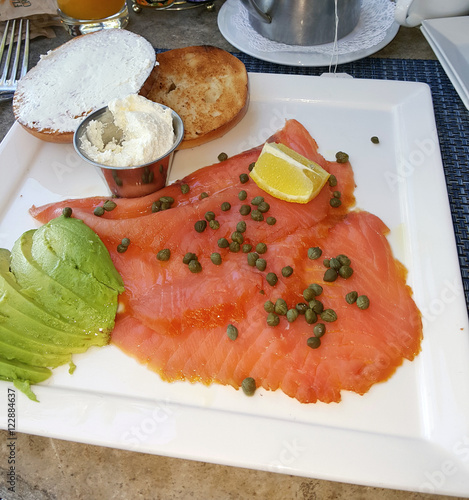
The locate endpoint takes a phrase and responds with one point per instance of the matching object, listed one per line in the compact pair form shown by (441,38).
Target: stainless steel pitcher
(303,22)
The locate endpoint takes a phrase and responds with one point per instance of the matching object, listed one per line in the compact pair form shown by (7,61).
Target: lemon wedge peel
(287,175)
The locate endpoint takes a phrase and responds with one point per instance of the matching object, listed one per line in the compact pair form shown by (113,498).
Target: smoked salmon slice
(175,321)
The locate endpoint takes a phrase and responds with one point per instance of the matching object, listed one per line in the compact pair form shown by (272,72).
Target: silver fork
(9,78)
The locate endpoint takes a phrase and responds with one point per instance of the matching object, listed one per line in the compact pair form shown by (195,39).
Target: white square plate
(411,432)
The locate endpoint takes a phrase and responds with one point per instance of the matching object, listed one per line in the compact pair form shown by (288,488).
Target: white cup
(412,12)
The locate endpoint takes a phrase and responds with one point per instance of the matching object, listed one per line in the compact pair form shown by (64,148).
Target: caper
(225,206)
(203,195)
(336,194)
(326,263)
(334,264)
(263,207)
(98,211)
(314,342)
(335,202)
(67,212)
(314,253)
(246,248)
(209,216)
(343,259)
(281,307)
(242,195)
(292,315)
(256,200)
(329,315)
(121,248)
(109,205)
(261,264)
(269,306)
(341,157)
(330,275)
(222,157)
(319,330)
(249,386)
(167,199)
(316,305)
(245,209)
(185,188)
(257,215)
(261,248)
(244,178)
(164,254)
(301,307)
(214,224)
(271,279)
(317,289)
(351,297)
(195,266)
(125,242)
(272,319)
(200,226)
(332,180)
(156,206)
(215,257)
(271,221)
(241,227)
(345,272)
(251,166)
(308,294)
(287,271)
(188,257)
(165,205)
(363,302)
(232,332)
(234,247)
(310,316)
(223,243)
(237,236)
(252,258)
(375,140)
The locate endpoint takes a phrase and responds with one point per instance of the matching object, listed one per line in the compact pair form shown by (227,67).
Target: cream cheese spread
(145,133)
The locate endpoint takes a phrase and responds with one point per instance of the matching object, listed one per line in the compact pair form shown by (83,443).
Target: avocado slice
(13,370)
(50,294)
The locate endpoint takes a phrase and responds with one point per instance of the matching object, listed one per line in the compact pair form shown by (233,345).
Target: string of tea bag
(335,51)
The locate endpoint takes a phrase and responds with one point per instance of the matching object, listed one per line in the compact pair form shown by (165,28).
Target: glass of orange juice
(85,16)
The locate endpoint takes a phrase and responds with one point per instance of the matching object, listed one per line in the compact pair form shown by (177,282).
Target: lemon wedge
(285,174)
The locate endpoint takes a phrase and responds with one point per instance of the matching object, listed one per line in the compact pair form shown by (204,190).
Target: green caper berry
(375,139)
(165,205)
(257,215)
(329,315)
(244,178)
(245,209)
(241,227)
(251,166)
(109,205)
(271,221)
(122,248)
(313,342)
(261,264)
(188,257)
(334,264)
(67,212)
(308,294)
(336,194)
(292,315)
(195,266)
(335,202)
(257,200)
(263,207)
(345,272)
(310,316)
(222,157)
(238,237)
(341,157)
(234,247)
(164,254)
(155,206)
(343,259)
(363,302)
(98,211)
(317,289)
(215,257)
(246,248)
(326,263)
(252,258)
(332,180)
(242,195)
(225,206)
(272,319)
(319,330)
(203,195)
(185,188)
(125,242)
(269,306)
(330,275)
(351,297)
(209,216)
(223,243)
(316,305)
(249,386)
(261,248)
(271,279)
(200,226)
(314,253)
(287,271)
(214,224)
(281,307)
(301,307)
(232,332)
(167,199)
